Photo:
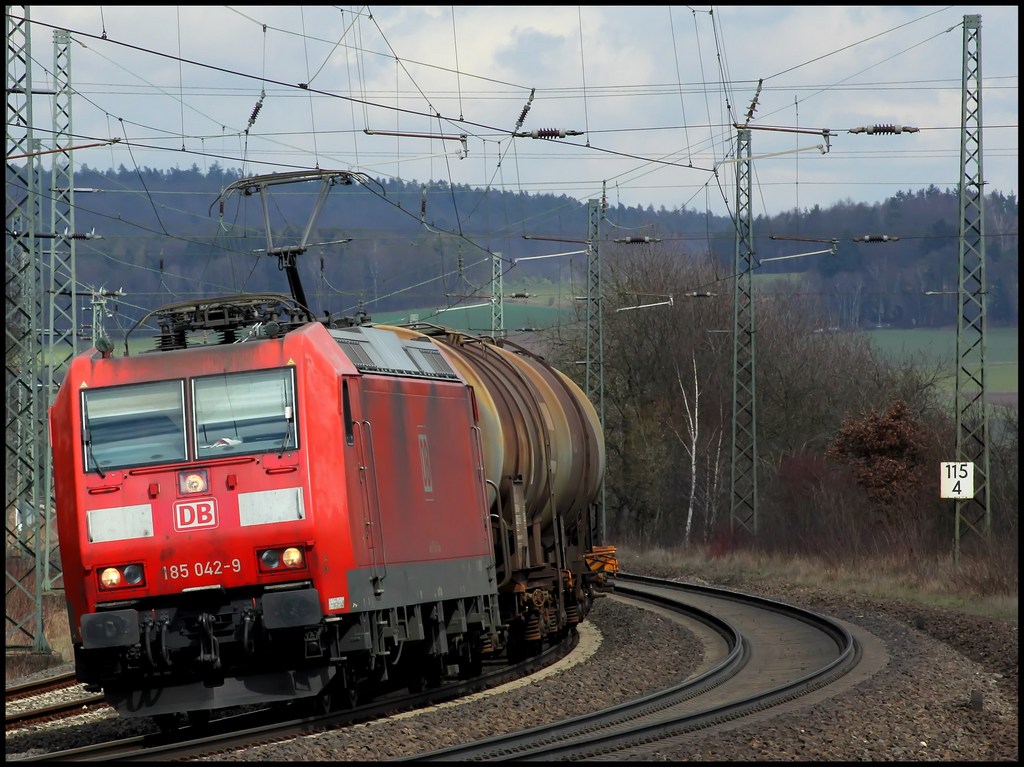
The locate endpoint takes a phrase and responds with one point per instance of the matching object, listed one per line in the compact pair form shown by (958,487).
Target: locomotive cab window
(133,425)
(251,412)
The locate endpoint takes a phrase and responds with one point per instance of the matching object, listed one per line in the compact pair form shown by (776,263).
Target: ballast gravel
(948,693)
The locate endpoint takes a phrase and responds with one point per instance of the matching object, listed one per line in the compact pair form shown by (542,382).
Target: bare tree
(690,441)
(667,433)
(714,475)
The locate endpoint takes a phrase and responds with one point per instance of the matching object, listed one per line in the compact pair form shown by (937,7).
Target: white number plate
(199,569)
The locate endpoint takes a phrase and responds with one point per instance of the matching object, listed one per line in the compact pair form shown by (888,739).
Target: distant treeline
(390,246)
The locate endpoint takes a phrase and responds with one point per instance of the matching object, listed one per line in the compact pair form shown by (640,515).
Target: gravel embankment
(917,708)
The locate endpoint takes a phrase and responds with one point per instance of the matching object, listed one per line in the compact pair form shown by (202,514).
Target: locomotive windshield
(144,424)
(244,413)
(133,425)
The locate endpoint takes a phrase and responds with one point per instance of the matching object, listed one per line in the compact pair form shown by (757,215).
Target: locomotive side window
(252,412)
(133,425)
(346,405)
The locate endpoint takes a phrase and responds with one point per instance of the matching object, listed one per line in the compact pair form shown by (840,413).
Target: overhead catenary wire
(587,91)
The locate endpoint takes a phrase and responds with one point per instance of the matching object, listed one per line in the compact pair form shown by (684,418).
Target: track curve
(774,653)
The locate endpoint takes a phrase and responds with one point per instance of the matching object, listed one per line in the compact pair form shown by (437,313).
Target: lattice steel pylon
(973,515)
(743,486)
(594,375)
(497,297)
(61,294)
(23,459)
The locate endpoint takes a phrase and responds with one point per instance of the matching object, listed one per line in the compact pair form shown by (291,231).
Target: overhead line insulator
(753,102)
(255,112)
(638,240)
(888,128)
(548,133)
(522,115)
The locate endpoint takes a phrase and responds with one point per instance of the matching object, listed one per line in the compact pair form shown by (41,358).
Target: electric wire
(436,114)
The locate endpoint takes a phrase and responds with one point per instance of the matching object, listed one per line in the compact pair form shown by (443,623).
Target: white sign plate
(956,480)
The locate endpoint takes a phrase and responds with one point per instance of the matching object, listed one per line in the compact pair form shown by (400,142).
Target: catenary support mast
(743,495)
(973,515)
(23,462)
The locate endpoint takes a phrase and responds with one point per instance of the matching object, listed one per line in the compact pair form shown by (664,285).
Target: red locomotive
(295,510)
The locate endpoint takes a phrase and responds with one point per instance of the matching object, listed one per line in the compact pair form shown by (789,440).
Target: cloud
(655,88)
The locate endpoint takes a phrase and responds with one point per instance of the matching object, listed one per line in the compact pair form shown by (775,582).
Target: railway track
(279,723)
(39,701)
(759,657)
(57,710)
(38,686)
(765,653)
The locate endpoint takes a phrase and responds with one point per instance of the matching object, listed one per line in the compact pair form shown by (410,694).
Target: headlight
(194,481)
(292,557)
(110,578)
(286,558)
(122,576)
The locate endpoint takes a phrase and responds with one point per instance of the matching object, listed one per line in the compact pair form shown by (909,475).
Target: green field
(930,345)
(925,345)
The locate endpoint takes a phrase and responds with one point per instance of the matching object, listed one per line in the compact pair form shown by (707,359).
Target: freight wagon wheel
(417,679)
(425,675)
(422,670)
(315,705)
(470,661)
(337,695)
(322,703)
(318,704)
(168,723)
(517,646)
(200,718)
(349,696)
(433,672)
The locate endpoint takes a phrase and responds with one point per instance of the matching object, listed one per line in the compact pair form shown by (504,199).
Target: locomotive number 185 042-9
(199,569)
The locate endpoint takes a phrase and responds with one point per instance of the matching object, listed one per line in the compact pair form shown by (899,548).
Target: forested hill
(389,246)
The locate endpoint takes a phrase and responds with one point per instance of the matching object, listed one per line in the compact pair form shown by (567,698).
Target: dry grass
(977,587)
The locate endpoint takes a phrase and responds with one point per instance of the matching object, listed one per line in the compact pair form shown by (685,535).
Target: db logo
(195,515)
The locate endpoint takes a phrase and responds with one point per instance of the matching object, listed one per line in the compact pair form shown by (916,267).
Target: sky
(648,97)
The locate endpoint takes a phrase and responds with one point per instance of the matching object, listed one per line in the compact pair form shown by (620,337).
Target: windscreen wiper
(289,418)
(91,456)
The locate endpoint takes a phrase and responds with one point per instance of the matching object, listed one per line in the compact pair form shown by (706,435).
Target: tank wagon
(298,511)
